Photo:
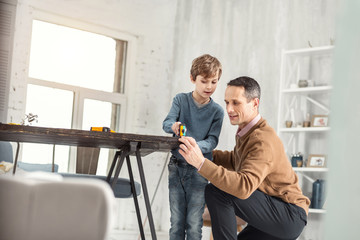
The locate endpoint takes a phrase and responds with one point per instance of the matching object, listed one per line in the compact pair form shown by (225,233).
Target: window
(76,80)
(7,29)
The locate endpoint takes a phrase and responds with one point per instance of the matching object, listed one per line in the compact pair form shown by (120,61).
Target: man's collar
(242,132)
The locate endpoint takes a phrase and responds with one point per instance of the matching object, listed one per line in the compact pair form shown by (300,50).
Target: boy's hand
(191,151)
(176,128)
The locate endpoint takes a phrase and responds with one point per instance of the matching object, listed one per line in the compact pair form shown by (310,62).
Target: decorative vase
(303,83)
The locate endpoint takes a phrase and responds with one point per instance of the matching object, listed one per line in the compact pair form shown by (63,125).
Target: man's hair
(206,66)
(251,86)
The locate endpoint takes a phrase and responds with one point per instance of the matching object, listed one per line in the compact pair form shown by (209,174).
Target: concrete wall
(246,35)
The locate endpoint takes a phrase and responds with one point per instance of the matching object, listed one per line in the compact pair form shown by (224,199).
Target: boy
(203,120)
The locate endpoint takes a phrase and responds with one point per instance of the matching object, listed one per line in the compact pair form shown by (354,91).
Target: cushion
(35,207)
(122,187)
(31,167)
(6,152)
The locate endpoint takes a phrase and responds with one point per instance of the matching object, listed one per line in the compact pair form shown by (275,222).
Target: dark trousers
(268,218)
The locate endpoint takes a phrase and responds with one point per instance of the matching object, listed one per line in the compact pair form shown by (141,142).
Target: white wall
(247,36)
(343,182)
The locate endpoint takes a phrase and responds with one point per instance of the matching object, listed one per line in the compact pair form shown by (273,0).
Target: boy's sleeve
(172,116)
(211,141)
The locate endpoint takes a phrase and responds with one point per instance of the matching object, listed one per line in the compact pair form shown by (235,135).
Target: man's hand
(176,128)
(191,151)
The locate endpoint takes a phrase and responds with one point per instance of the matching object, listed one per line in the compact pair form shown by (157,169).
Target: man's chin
(234,123)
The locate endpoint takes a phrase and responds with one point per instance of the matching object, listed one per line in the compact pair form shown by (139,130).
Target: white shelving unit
(312,210)
(308,169)
(303,129)
(297,104)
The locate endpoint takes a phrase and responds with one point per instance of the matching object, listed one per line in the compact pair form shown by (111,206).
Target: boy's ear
(192,79)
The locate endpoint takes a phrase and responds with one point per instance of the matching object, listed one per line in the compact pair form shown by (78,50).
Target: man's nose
(229,108)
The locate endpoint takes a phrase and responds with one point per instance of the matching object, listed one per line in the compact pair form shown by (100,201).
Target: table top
(83,138)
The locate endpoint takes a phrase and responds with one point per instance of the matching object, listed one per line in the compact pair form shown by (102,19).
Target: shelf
(308,90)
(310,169)
(310,51)
(297,104)
(305,129)
(314,210)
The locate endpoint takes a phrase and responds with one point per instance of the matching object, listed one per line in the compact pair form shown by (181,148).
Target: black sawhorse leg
(16,157)
(120,157)
(146,194)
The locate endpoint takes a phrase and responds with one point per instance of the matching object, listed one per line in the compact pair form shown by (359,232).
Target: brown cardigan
(258,161)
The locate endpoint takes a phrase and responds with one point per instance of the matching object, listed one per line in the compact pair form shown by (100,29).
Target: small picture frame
(320,121)
(316,160)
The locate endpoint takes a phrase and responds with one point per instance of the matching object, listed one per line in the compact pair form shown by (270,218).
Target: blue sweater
(203,124)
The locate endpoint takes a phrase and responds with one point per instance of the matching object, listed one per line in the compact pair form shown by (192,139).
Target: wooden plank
(83,138)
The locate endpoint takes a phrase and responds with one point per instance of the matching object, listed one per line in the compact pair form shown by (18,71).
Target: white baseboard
(134,235)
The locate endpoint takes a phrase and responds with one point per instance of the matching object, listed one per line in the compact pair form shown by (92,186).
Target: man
(255,181)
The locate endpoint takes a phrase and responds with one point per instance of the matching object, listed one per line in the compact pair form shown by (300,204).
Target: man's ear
(256,102)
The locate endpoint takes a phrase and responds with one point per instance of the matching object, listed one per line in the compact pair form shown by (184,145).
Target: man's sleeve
(244,182)
(224,158)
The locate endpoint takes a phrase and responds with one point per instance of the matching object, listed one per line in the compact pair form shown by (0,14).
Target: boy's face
(205,87)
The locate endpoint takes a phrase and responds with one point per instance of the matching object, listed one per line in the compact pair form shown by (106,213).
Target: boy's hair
(251,86)
(206,66)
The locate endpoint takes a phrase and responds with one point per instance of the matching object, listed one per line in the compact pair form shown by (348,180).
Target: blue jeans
(187,200)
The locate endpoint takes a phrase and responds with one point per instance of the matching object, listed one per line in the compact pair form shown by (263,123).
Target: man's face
(239,110)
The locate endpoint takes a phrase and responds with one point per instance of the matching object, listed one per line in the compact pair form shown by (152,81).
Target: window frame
(80,93)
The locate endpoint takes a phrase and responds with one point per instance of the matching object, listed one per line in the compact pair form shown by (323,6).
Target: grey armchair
(6,154)
(42,205)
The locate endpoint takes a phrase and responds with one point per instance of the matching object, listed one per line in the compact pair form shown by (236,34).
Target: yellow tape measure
(182,130)
(101,129)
